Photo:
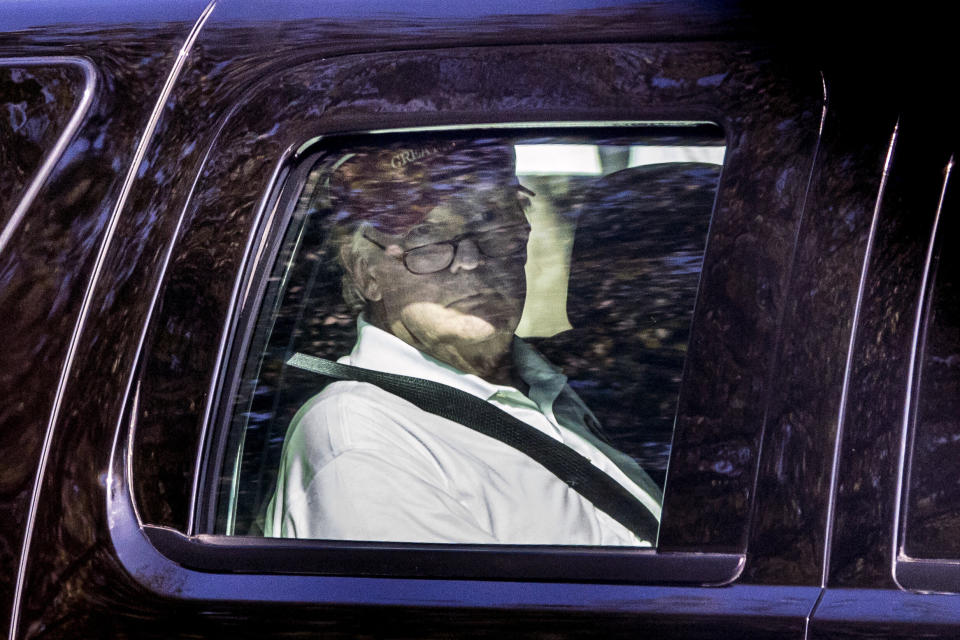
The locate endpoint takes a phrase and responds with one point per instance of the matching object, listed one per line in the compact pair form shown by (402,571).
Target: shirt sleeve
(347,474)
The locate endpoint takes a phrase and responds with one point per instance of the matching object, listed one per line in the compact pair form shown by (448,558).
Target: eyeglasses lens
(499,243)
(430,258)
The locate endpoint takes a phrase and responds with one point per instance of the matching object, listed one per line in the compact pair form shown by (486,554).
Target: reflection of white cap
(394,187)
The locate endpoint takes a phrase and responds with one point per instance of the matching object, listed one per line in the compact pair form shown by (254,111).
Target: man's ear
(355,261)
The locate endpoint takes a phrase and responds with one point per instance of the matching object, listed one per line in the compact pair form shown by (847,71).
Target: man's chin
(433,323)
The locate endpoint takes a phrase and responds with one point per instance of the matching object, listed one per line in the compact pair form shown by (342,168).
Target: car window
(37,99)
(550,275)
(933,498)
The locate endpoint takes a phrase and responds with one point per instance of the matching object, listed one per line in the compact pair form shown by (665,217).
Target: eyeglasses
(495,243)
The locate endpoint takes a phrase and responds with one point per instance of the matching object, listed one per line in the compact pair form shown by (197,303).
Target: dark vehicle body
(134,192)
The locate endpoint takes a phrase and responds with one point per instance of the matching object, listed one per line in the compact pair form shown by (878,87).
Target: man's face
(465,310)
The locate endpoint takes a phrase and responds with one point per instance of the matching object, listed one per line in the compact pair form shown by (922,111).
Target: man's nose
(467,256)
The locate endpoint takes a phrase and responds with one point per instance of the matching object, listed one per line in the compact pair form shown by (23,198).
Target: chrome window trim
(90,82)
(915,574)
(253,253)
(545,124)
(848,366)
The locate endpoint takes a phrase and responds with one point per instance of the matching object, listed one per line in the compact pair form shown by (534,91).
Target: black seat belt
(575,470)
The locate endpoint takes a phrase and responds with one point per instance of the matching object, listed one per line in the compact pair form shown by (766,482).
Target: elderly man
(432,239)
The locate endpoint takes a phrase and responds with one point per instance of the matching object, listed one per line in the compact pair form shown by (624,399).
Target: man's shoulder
(347,413)
(350,398)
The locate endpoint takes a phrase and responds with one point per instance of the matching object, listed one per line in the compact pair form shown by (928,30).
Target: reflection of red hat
(394,187)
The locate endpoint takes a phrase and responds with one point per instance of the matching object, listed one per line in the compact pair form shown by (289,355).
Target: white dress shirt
(360,463)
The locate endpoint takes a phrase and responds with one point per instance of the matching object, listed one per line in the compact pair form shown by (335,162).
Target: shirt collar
(379,350)
(545,380)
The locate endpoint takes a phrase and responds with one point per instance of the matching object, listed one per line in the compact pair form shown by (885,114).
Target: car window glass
(551,276)
(934,483)
(36,102)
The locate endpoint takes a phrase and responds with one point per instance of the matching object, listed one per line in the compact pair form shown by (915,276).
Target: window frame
(913,573)
(77,113)
(213,552)
(703,556)
(283,201)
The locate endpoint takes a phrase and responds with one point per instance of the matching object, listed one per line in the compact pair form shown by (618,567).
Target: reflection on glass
(549,277)
(35,104)
(933,505)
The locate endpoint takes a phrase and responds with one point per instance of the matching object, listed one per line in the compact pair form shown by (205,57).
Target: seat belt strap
(445,401)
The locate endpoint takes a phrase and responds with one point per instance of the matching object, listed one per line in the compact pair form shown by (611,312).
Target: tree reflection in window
(619,226)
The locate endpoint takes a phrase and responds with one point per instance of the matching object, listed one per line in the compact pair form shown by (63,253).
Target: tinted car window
(612,232)
(36,102)
(933,505)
